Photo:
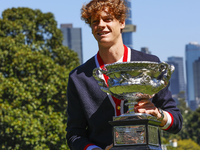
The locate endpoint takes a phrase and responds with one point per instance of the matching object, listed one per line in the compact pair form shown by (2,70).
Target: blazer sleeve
(163,99)
(76,122)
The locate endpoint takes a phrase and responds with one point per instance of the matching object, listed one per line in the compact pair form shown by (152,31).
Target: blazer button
(118,107)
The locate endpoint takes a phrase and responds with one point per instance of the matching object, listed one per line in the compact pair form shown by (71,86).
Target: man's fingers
(109,147)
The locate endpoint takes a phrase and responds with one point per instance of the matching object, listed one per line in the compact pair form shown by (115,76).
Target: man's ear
(123,24)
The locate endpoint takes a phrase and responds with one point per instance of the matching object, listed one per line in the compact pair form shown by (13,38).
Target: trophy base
(136,116)
(138,131)
(137,147)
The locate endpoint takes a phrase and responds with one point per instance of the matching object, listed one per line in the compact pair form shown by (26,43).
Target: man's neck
(112,53)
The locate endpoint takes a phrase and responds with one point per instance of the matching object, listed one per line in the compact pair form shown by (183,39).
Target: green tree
(187,144)
(190,132)
(193,126)
(34,67)
(186,113)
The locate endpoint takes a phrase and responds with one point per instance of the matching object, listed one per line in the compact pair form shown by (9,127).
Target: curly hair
(117,8)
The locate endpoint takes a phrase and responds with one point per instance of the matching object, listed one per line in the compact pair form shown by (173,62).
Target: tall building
(127,34)
(177,83)
(145,50)
(192,53)
(196,71)
(73,39)
(174,80)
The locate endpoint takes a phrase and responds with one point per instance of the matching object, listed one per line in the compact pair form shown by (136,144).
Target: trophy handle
(163,67)
(171,69)
(167,70)
(98,75)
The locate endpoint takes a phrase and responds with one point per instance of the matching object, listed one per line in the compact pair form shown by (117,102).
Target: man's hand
(146,106)
(109,147)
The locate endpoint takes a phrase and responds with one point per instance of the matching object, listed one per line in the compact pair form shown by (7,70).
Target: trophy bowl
(133,81)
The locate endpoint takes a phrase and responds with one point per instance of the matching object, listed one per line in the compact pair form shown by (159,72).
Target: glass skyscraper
(145,50)
(73,39)
(128,35)
(174,80)
(177,81)
(196,68)
(192,53)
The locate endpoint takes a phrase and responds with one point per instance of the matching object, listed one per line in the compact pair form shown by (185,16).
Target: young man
(89,108)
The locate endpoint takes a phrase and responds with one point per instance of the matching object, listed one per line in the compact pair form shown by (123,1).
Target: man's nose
(101,23)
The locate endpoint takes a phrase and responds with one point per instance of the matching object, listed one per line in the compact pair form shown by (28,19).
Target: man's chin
(104,43)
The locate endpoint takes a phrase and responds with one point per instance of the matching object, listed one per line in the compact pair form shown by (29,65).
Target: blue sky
(164,26)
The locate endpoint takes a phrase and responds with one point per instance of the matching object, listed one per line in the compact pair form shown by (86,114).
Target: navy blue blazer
(89,109)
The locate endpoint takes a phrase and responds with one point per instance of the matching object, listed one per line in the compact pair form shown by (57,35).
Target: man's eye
(108,19)
(94,22)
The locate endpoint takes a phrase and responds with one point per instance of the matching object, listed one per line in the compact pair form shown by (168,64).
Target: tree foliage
(186,112)
(34,67)
(191,123)
(187,144)
(190,132)
(193,126)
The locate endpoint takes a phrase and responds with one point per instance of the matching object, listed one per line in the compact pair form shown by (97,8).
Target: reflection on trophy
(132,81)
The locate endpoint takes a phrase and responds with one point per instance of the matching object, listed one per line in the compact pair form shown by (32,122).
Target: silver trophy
(132,81)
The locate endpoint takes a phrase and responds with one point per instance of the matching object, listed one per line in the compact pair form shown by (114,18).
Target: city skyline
(164,27)
(72,37)
(192,55)
(177,81)
(128,36)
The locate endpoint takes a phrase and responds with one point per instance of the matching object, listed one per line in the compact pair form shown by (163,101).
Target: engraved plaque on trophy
(132,81)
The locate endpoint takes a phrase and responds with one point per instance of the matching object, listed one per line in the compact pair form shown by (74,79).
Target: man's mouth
(102,33)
